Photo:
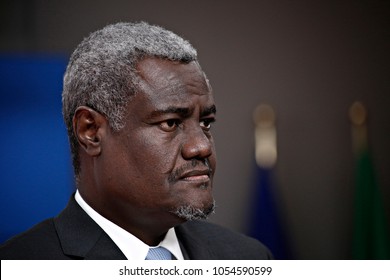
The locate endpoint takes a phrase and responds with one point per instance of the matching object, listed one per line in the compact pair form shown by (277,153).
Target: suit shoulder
(35,243)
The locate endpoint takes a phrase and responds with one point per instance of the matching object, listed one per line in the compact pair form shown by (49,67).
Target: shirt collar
(132,247)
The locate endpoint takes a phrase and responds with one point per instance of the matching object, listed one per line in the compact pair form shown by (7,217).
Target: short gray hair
(102,74)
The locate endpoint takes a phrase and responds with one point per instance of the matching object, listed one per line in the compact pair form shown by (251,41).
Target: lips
(196,175)
(195,171)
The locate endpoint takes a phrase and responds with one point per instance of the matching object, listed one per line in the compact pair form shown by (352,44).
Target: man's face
(163,160)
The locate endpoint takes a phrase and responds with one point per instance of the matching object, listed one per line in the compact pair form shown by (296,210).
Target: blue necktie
(159,253)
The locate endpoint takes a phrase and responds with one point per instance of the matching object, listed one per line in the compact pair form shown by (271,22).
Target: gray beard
(190,213)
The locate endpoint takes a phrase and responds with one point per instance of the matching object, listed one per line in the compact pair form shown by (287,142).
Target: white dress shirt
(132,247)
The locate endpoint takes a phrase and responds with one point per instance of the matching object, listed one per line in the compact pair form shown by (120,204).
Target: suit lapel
(81,237)
(193,247)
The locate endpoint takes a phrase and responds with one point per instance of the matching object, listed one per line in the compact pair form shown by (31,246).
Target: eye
(206,123)
(169,125)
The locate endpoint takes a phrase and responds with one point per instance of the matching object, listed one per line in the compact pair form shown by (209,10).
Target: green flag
(371,235)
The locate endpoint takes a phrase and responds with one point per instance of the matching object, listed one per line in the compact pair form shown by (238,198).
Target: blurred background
(309,60)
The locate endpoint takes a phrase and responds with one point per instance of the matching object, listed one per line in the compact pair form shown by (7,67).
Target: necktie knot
(159,253)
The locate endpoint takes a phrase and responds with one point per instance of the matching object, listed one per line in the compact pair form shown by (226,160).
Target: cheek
(153,153)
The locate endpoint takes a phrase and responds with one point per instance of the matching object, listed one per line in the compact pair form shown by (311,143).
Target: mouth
(196,176)
(195,172)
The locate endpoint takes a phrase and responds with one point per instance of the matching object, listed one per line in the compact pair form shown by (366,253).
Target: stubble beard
(190,213)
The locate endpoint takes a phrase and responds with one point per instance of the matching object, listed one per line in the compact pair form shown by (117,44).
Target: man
(138,110)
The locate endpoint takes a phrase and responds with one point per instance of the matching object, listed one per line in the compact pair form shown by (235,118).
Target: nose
(197,144)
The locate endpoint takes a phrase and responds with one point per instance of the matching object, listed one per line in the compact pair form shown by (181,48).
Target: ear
(89,127)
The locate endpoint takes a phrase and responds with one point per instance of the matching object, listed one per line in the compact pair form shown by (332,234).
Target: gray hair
(102,74)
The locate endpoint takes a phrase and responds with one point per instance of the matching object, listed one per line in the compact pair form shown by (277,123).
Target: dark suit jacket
(74,235)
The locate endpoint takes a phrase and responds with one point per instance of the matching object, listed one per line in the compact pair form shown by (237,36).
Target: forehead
(171,79)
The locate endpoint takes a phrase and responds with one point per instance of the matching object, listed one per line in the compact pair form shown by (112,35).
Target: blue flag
(266,224)
(36,175)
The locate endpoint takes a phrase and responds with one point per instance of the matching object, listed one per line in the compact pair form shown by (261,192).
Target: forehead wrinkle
(177,90)
(163,85)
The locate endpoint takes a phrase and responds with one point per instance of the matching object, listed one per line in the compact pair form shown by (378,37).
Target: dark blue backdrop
(36,176)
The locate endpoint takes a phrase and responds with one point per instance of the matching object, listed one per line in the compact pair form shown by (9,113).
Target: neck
(149,228)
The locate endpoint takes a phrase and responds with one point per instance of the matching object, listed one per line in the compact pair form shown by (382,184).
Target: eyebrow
(183,112)
(208,111)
